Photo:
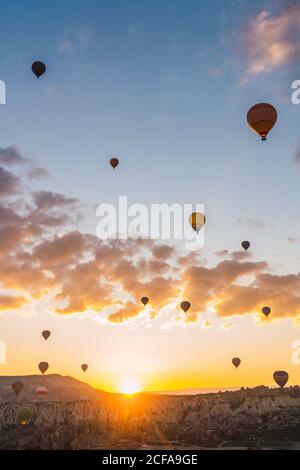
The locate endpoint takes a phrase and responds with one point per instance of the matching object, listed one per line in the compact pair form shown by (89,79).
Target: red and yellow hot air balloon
(114,162)
(262,118)
(236,361)
(144,300)
(17,387)
(46,334)
(43,366)
(197,220)
(281,377)
(185,306)
(38,68)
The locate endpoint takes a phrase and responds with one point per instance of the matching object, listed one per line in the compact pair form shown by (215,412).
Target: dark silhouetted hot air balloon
(46,334)
(144,300)
(197,220)
(23,415)
(236,361)
(84,367)
(40,391)
(17,387)
(245,244)
(43,366)
(261,118)
(266,311)
(185,305)
(281,377)
(114,162)
(38,68)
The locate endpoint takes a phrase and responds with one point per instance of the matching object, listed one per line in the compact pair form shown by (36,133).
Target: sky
(166,87)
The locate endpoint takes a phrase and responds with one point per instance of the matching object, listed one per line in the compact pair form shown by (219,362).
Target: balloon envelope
(266,311)
(38,68)
(84,367)
(46,334)
(236,361)
(114,162)
(197,220)
(40,391)
(185,305)
(245,244)
(24,414)
(17,387)
(281,377)
(43,366)
(144,300)
(261,118)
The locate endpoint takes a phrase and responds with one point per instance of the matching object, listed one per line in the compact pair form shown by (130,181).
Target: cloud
(66,47)
(45,200)
(37,173)
(81,274)
(12,156)
(77,40)
(272,41)
(9,302)
(8,182)
(250,223)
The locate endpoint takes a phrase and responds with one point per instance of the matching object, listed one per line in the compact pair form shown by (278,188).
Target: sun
(129,386)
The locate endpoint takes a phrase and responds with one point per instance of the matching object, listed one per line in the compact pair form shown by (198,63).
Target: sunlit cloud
(82,274)
(271,41)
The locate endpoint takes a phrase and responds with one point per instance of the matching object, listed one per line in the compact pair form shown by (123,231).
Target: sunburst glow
(129,386)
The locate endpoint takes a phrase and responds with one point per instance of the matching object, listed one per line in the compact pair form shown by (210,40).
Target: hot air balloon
(84,367)
(261,118)
(245,244)
(38,68)
(144,300)
(266,311)
(43,366)
(281,377)
(40,391)
(114,162)
(17,387)
(23,415)
(197,220)
(185,305)
(46,334)
(236,361)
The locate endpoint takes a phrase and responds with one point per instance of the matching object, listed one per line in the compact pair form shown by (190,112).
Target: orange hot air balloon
(114,162)
(40,391)
(281,377)
(266,311)
(17,387)
(84,367)
(261,118)
(185,305)
(245,244)
(197,220)
(46,334)
(236,361)
(43,366)
(38,68)
(144,300)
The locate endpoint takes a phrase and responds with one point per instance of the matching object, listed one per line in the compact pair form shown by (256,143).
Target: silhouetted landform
(59,388)
(248,418)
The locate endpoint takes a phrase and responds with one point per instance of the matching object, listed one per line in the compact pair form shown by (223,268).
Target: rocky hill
(59,388)
(248,418)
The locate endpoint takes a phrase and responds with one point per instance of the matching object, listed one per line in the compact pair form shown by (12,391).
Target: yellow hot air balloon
(197,220)
(261,118)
